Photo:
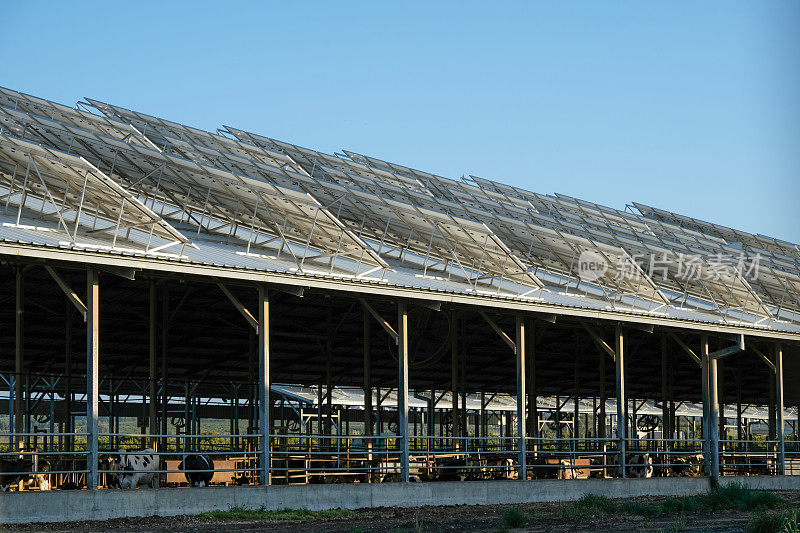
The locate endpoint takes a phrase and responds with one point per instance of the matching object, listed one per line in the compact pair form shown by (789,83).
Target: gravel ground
(542,517)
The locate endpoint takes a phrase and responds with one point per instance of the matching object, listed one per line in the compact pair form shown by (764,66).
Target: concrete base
(66,506)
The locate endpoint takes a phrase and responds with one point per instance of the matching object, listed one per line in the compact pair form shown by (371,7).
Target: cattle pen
(300,319)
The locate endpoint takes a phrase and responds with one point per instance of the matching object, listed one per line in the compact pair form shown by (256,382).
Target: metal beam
(76,301)
(499,331)
(238,305)
(622,422)
(92,376)
(153,333)
(522,432)
(712,419)
(263,383)
(599,340)
(19,358)
(367,378)
(779,409)
(402,388)
(21,250)
(730,350)
(686,349)
(389,329)
(763,357)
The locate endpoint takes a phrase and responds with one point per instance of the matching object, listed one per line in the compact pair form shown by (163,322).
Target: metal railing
(310,458)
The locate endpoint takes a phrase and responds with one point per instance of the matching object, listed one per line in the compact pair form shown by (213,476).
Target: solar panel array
(356,214)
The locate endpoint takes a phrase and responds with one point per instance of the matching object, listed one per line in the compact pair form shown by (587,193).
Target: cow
(109,464)
(198,469)
(637,465)
(42,477)
(688,465)
(12,471)
(137,468)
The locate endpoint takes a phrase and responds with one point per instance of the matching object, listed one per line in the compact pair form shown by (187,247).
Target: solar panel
(65,184)
(212,199)
(358,213)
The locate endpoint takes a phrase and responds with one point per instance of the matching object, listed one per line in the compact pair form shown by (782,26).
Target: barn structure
(305,317)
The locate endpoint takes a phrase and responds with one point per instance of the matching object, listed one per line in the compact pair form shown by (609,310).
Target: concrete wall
(63,506)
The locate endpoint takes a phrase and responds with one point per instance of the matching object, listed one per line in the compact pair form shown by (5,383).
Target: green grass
(240,513)
(513,518)
(774,521)
(731,497)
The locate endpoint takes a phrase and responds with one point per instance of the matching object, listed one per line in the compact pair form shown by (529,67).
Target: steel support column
(704,386)
(666,430)
(713,411)
(19,361)
(521,397)
(402,387)
(456,432)
(92,375)
(263,383)
(367,376)
(619,359)
(164,352)
(153,414)
(779,409)
(533,406)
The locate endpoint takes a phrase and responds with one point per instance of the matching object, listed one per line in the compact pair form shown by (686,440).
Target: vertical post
(454,381)
(521,396)
(153,377)
(601,424)
(164,352)
(533,406)
(576,398)
(68,427)
(92,375)
(329,374)
(713,411)
(779,409)
(402,386)
(721,422)
(704,419)
(263,382)
(367,375)
(368,418)
(666,430)
(19,361)
(619,359)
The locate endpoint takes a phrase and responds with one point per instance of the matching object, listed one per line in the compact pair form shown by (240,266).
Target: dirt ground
(544,517)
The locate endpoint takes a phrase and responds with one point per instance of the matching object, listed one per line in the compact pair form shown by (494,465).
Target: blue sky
(689,106)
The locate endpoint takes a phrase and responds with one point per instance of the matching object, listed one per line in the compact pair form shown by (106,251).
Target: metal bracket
(76,301)
(600,342)
(730,350)
(686,349)
(389,329)
(127,273)
(242,309)
(764,358)
(499,331)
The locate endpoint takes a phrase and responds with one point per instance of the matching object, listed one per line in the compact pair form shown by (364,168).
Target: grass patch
(241,513)
(731,497)
(513,518)
(773,521)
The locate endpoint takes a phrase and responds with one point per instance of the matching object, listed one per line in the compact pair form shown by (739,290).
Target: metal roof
(247,202)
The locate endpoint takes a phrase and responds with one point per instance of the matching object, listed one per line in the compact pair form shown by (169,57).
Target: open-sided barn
(370,321)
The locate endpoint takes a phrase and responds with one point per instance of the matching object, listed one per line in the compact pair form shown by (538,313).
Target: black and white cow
(12,471)
(688,465)
(637,465)
(137,468)
(198,469)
